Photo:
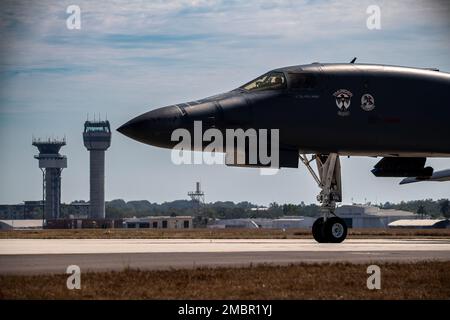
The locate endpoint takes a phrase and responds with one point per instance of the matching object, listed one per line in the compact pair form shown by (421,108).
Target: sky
(130,57)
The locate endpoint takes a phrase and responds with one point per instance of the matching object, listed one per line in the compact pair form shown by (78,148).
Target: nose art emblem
(343,100)
(367,102)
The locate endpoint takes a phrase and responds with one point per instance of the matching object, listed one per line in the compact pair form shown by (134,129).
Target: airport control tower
(51,163)
(97,138)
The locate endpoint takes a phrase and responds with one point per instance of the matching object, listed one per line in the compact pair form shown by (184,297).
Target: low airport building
(281,223)
(293,222)
(21,224)
(239,223)
(33,209)
(420,224)
(365,216)
(159,222)
(83,223)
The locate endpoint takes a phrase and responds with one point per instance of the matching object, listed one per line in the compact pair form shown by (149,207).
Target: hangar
(355,216)
(365,216)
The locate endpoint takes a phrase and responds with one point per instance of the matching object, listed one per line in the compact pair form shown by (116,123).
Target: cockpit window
(271,80)
(302,81)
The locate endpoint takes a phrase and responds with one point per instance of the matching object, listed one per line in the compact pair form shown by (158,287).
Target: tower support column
(97,184)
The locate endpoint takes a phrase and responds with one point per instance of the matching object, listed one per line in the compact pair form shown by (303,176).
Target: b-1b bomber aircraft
(322,112)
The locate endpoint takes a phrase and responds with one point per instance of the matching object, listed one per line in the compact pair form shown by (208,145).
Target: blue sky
(133,56)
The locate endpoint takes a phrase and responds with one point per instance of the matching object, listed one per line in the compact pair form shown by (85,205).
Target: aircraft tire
(318,231)
(335,230)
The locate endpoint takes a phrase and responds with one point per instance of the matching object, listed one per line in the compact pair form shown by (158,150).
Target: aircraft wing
(443,175)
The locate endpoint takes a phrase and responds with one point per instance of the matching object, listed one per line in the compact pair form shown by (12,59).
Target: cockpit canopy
(278,80)
(268,81)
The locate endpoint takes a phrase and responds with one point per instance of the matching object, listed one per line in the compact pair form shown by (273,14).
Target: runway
(54,255)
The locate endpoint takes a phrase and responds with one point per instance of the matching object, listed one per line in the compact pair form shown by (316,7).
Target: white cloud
(241,26)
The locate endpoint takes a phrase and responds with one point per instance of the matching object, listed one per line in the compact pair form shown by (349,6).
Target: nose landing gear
(329,228)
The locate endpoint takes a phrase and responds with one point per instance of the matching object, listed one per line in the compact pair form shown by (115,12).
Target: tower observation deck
(97,138)
(51,163)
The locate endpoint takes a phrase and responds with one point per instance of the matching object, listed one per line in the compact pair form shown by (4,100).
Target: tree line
(231,210)
(120,208)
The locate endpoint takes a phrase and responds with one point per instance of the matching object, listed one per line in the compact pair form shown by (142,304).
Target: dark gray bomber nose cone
(154,127)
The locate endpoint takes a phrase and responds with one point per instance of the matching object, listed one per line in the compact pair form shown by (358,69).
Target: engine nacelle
(402,167)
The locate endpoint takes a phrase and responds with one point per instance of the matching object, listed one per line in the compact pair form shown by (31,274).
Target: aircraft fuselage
(349,109)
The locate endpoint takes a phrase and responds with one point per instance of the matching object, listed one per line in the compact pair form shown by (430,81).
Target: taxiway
(54,255)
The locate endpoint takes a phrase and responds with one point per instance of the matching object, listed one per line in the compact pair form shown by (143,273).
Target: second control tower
(51,163)
(97,138)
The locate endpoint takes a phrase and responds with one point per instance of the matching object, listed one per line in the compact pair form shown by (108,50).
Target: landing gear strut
(328,228)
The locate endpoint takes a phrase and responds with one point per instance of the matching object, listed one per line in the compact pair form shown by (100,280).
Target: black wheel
(318,231)
(335,230)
